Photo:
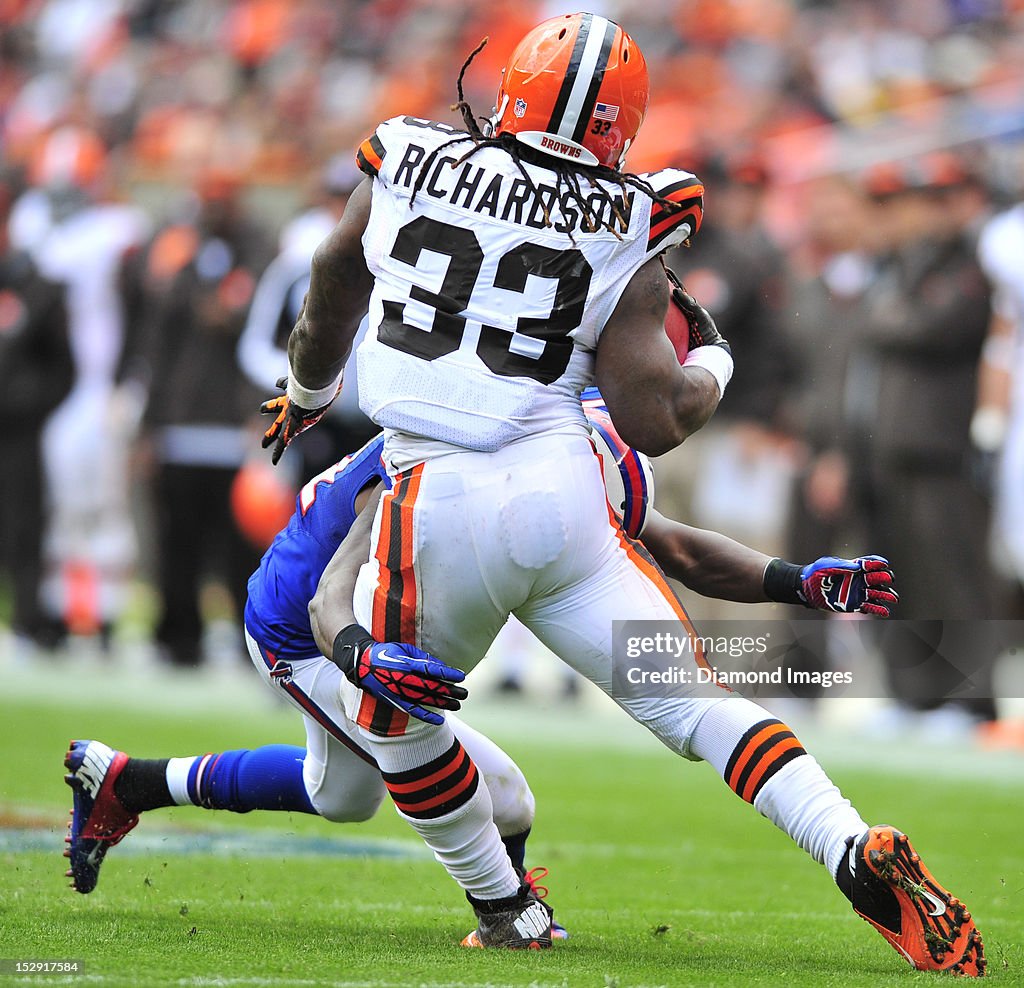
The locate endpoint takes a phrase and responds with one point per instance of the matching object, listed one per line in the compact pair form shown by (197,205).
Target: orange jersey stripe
(650,569)
(666,221)
(679,195)
(395,599)
(399,722)
(689,196)
(380,595)
(380,718)
(408,604)
(367,706)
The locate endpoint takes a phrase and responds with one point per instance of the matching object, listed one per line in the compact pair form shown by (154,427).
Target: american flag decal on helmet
(605,111)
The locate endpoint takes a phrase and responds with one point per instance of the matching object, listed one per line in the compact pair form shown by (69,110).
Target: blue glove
(403,675)
(864,584)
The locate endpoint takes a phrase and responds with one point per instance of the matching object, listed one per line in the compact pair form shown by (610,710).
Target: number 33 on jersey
(484,317)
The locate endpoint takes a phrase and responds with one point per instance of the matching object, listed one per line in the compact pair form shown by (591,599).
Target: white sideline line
(227,844)
(215,982)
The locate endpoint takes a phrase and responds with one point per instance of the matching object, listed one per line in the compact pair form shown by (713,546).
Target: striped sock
(762,761)
(443,801)
(763,749)
(437,787)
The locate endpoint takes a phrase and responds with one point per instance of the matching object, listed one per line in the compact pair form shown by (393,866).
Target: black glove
(703,331)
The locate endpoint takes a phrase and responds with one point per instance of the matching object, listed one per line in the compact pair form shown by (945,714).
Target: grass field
(663,877)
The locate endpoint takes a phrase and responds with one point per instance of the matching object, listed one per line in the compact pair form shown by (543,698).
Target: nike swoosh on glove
(864,584)
(403,675)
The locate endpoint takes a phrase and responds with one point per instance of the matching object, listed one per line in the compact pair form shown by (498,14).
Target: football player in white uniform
(334,776)
(505,270)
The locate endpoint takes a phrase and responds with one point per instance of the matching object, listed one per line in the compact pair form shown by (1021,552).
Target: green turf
(662,875)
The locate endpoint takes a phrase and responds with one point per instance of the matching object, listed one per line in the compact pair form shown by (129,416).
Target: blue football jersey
(277,611)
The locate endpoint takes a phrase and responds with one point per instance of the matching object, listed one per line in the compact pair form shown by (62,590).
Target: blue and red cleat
(98,819)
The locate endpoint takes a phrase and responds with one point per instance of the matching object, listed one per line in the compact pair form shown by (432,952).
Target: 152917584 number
(24,966)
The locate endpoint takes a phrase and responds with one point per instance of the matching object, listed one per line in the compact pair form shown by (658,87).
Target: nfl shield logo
(520,108)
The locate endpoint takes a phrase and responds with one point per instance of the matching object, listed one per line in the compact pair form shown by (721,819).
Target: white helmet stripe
(589,65)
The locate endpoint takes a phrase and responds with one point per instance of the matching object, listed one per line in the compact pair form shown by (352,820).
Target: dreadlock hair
(568,174)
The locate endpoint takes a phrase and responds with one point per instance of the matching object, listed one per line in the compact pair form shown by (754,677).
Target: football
(678,329)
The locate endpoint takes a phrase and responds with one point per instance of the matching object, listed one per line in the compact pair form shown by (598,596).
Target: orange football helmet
(575,87)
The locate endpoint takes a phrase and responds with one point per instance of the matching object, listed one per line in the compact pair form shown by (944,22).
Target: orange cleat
(897,895)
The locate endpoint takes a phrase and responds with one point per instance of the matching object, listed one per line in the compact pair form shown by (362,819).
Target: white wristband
(716,360)
(989,426)
(317,398)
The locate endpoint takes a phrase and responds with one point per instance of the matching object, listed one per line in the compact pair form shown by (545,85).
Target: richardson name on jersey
(482,190)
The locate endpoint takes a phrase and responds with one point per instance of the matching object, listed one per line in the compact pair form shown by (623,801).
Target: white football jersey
(484,320)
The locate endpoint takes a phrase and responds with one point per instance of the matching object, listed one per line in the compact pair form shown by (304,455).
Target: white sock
(467,843)
(764,763)
(178,770)
(804,802)
(438,789)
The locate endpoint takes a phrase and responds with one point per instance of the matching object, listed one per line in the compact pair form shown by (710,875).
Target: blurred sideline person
(742,456)
(505,271)
(914,381)
(997,424)
(829,280)
(38,372)
(198,280)
(336,775)
(79,236)
(262,347)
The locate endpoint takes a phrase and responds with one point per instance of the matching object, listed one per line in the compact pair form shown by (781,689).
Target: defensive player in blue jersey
(334,776)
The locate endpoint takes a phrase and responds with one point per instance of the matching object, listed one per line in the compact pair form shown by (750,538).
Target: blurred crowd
(168,166)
